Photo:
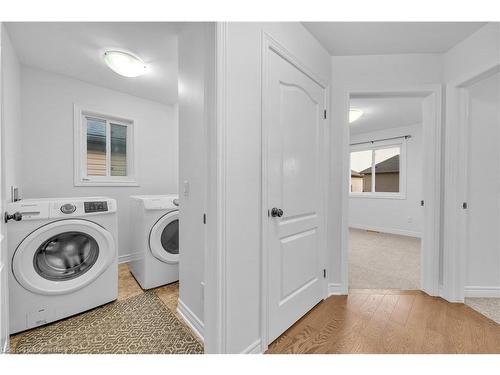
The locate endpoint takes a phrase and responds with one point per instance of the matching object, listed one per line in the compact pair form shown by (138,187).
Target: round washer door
(164,238)
(63,256)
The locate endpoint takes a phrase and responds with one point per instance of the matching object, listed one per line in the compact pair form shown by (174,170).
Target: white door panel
(295,133)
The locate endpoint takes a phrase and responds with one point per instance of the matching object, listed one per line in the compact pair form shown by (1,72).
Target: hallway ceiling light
(354,114)
(124,63)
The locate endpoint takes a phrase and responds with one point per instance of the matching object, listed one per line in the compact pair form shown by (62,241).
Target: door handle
(17,216)
(276,212)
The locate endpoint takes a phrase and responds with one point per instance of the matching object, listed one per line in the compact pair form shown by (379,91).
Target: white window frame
(80,150)
(372,146)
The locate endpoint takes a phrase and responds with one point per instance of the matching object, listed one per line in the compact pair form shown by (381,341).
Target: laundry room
(91,169)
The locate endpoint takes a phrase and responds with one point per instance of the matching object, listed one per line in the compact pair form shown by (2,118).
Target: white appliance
(63,257)
(155,233)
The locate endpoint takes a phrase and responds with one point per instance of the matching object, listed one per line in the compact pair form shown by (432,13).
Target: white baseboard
(401,232)
(335,289)
(128,258)
(191,319)
(253,348)
(482,291)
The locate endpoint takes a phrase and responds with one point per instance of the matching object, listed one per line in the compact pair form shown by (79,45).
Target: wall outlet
(185,188)
(410,219)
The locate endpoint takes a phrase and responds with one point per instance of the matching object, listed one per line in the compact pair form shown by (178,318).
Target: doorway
(482,273)
(385,212)
(391,218)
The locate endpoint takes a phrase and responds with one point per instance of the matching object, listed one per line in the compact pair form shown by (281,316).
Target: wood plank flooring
(389,321)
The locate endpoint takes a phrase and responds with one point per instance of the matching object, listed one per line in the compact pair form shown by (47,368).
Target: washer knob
(68,208)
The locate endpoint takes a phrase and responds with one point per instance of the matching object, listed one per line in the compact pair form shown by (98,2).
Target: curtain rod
(379,140)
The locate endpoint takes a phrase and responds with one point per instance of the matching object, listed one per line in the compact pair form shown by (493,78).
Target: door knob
(17,216)
(276,212)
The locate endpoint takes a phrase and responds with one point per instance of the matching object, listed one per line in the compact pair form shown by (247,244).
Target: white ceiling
(75,49)
(382,38)
(385,113)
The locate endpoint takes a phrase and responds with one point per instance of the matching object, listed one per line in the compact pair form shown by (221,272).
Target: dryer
(155,239)
(63,257)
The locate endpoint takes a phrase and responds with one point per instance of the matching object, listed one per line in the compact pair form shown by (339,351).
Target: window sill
(378,195)
(106,183)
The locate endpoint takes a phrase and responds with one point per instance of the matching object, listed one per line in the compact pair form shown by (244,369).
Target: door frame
(456,176)
(4,275)
(270,45)
(430,268)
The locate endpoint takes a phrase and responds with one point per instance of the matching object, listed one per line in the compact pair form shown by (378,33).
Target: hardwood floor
(389,321)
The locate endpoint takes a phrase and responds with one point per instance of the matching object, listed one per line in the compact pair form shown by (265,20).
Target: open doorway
(385,212)
(481,236)
(392,196)
(96,109)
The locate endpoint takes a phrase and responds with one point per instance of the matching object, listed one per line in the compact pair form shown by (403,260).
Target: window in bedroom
(377,170)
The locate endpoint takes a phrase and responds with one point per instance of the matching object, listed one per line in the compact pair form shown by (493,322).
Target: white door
(4,291)
(294,193)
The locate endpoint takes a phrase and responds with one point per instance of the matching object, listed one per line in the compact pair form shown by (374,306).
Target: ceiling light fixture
(354,114)
(125,63)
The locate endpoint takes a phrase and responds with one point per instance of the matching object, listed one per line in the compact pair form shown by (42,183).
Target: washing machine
(63,257)
(155,239)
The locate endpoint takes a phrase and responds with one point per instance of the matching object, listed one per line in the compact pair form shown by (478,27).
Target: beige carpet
(383,261)
(489,307)
(139,324)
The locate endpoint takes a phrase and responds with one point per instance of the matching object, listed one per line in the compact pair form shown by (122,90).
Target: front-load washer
(63,258)
(155,237)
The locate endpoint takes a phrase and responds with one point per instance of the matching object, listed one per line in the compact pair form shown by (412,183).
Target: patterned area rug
(137,325)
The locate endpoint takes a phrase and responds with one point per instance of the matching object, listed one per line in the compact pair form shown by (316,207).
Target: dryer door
(164,238)
(63,256)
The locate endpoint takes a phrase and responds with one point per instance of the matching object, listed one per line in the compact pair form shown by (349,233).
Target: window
(103,150)
(377,170)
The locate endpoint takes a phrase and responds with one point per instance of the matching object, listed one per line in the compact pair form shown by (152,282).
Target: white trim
(455,238)
(126,258)
(335,289)
(270,44)
(400,232)
(80,177)
(191,319)
(430,244)
(253,348)
(482,291)
(215,297)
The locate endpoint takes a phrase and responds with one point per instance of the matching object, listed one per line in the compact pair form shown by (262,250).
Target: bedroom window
(104,152)
(378,170)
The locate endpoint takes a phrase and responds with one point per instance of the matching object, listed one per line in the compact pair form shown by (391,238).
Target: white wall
(243,168)
(47,145)
(11,122)
(399,216)
(379,71)
(193,48)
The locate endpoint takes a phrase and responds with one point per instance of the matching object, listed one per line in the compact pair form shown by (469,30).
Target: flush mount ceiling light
(354,114)
(125,63)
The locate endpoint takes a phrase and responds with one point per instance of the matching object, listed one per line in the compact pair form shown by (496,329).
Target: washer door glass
(164,238)
(63,256)
(170,237)
(66,256)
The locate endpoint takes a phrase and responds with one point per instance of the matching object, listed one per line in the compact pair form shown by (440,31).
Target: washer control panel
(95,206)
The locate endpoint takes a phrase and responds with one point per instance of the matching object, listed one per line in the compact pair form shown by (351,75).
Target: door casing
(270,45)
(432,219)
